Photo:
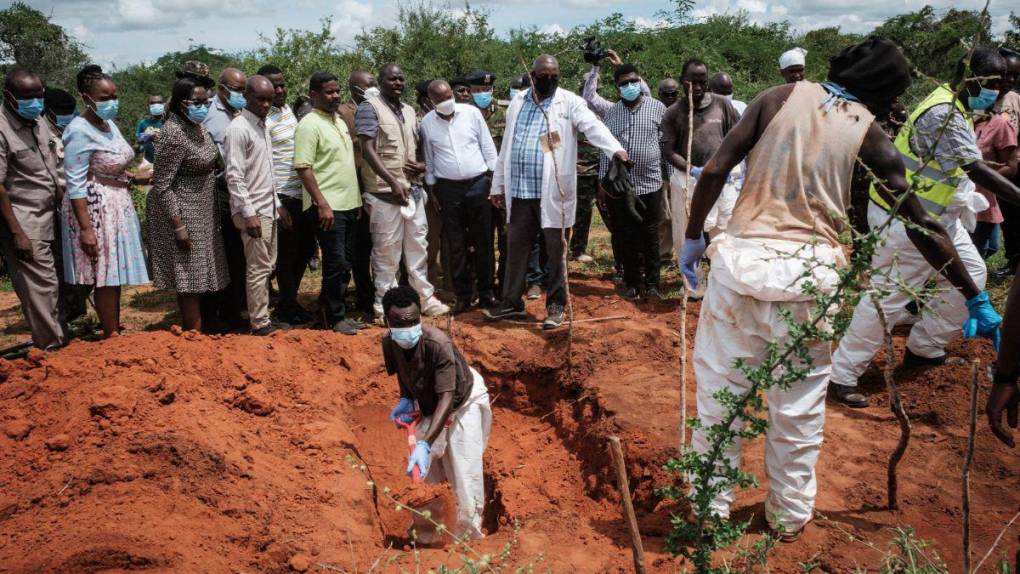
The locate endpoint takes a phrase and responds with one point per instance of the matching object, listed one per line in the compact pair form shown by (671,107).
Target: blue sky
(123,32)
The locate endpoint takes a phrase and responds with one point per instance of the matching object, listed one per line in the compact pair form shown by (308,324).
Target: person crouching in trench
(451,397)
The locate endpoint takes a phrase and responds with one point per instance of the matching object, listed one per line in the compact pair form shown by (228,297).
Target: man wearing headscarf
(791,65)
(781,250)
(943,161)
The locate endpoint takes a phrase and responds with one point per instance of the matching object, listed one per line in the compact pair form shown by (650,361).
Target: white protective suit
(718,218)
(898,261)
(751,281)
(393,235)
(457,458)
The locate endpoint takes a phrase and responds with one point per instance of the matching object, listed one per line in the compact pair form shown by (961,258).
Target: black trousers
(467,221)
(615,236)
(294,249)
(639,240)
(587,185)
(226,305)
(1011,231)
(525,224)
(364,288)
(338,246)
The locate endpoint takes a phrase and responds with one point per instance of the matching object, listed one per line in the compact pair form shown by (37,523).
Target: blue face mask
(482,99)
(30,109)
(156,109)
(984,100)
(631,91)
(406,337)
(107,110)
(513,93)
(63,120)
(197,114)
(236,100)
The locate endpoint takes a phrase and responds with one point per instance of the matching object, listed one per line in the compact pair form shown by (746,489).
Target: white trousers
(259,258)
(457,458)
(899,262)
(394,235)
(680,204)
(734,326)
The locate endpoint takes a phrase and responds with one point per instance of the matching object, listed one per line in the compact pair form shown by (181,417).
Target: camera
(593,51)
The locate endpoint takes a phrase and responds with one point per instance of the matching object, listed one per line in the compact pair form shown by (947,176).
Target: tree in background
(28,39)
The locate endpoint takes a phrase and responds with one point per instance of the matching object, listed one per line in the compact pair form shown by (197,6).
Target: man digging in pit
(437,383)
(801,142)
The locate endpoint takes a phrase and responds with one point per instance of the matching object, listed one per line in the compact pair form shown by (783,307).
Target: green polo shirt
(323,143)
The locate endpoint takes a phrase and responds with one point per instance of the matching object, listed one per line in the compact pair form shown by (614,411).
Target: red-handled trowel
(423,530)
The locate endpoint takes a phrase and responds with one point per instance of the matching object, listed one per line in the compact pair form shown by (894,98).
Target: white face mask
(729,97)
(446,107)
(370,93)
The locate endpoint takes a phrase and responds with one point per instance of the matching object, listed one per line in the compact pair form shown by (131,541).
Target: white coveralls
(394,234)
(717,219)
(898,262)
(740,316)
(457,457)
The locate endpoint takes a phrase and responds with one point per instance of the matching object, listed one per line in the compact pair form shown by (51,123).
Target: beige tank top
(797,185)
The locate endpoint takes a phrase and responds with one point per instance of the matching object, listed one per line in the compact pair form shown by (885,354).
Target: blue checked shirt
(526,156)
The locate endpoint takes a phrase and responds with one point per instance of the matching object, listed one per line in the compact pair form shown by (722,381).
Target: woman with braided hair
(102,239)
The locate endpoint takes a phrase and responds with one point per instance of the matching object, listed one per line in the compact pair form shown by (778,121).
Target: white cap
(793,57)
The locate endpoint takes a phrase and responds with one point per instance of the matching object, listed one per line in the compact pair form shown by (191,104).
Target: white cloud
(553,30)
(588,3)
(752,6)
(648,23)
(145,14)
(351,17)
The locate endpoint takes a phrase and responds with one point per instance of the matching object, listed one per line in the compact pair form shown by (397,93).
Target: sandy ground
(164,452)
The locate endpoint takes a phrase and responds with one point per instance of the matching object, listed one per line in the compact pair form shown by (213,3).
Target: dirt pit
(187,453)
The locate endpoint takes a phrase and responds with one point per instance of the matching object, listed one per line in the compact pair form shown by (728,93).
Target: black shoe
(345,327)
(912,361)
(652,294)
(848,396)
(553,317)
(296,316)
(1003,272)
(534,292)
(461,306)
(629,293)
(270,328)
(487,301)
(357,323)
(501,312)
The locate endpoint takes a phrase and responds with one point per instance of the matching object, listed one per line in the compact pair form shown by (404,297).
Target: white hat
(793,57)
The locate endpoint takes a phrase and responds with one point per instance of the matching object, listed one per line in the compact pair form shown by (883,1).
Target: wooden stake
(683,367)
(896,406)
(628,505)
(967,459)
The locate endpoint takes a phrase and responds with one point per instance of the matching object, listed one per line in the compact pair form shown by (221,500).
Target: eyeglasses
(202,104)
(670,94)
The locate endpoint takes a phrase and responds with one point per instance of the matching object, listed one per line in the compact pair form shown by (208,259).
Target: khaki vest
(395,143)
(797,184)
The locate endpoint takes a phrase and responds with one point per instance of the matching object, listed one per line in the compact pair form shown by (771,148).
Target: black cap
(58,101)
(461,81)
(480,78)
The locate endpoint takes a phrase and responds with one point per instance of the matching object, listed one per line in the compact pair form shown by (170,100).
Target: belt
(111,181)
(468,181)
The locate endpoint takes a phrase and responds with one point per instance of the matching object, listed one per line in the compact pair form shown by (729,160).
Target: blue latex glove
(421,457)
(404,407)
(146,138)
(696,171)
(690,257)
(983,320)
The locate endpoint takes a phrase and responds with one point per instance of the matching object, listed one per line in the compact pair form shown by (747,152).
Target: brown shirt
(712,121)
(434,366)
(346,112)
(28,170)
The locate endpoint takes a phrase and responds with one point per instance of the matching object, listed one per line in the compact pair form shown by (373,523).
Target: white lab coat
(568,114)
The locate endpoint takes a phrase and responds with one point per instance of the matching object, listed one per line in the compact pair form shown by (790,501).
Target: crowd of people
(486,199)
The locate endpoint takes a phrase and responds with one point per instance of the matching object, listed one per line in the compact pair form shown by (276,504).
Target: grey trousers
(37,285)
(525,224)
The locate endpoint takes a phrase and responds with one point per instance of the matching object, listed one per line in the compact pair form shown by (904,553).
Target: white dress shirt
(458,148)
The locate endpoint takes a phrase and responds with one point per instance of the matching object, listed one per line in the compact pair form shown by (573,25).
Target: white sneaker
(584,258)
(434,308)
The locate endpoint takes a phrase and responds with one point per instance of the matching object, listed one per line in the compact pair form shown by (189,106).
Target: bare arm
(926,233)
(443,411)
(307,177)
(989,178)
(669,140)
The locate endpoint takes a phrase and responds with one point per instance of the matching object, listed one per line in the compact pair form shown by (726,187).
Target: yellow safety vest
(932,185)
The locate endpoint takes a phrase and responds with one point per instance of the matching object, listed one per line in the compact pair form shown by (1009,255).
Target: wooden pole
(628,505)
(683,367)
(967,459)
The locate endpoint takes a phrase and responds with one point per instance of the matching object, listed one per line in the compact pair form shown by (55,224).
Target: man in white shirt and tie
(459,159)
